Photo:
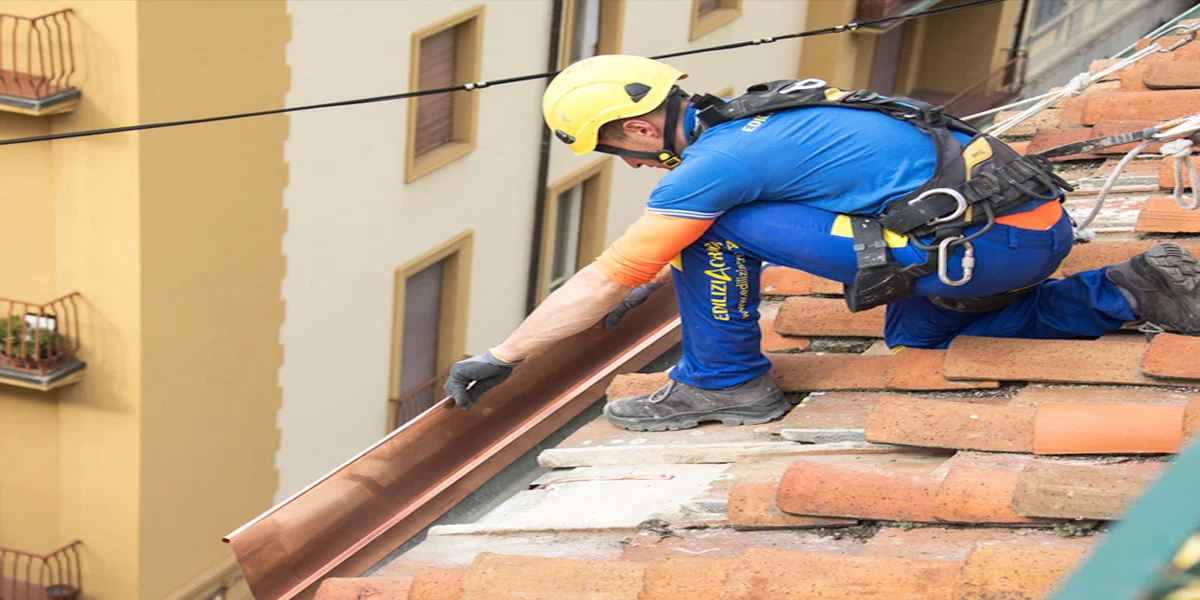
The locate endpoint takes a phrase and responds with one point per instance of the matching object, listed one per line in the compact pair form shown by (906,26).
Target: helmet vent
(564,136)
(637,91)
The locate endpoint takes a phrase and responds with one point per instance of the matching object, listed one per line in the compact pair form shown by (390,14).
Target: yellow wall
(830,57)
(960,47)
(212,224)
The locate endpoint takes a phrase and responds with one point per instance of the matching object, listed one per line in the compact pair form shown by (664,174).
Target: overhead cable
(483,84)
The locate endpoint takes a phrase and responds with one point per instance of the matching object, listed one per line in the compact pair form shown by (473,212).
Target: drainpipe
(1010,78)
(543,174)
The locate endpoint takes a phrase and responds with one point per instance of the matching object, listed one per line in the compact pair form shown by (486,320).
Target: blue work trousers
(717,281)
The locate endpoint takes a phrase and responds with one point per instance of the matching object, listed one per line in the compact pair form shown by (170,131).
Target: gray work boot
(681,406)
(1162,285)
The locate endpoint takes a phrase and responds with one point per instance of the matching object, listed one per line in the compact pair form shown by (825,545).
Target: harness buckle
(959,210)
(968,261)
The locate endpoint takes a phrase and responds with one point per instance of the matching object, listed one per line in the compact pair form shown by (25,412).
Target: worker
(950,229)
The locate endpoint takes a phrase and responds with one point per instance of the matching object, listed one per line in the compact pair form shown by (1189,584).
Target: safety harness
(971,185)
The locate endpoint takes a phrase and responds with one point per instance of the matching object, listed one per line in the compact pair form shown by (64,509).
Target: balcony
(39,342)
(55,576)
(37,60)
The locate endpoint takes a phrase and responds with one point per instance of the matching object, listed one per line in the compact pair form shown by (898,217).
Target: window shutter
(707,6)
(435,114)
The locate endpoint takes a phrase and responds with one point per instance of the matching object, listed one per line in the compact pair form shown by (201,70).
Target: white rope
(1108,186)
(1181,151)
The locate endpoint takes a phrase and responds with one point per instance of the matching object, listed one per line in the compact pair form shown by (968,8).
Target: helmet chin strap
(667,156)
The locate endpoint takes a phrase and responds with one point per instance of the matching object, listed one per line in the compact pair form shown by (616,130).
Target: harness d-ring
(968,261)
(958,210)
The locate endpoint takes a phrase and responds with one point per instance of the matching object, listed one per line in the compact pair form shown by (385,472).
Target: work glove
(636,297)
(486,370)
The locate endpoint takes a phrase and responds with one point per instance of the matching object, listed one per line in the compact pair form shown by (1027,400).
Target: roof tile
(785,281)
(1036,395)
(752,506)
(500,577)
(1191,419)
(1172,355)
(1067,361)
(942,424)
(1187,52)
(1049,118)
(903,488)
(359,588)
(1107,429)
(774,342)
(1006,571)
(917,369)
(1172,75)
(635,384)
(1164,215)
(829,417)
(1158,105)
(827,317)
(675,577)
(980,489)
(766,574)
(796,372)
(436,583)
(1098,490)
(1085,257)
(1166,173)
(1050,138)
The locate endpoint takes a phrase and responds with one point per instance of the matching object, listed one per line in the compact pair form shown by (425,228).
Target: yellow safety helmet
(602,89)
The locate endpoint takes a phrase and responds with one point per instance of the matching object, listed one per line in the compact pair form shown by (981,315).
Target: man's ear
(639,128)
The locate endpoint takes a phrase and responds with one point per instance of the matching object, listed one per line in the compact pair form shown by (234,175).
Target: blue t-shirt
(843,160)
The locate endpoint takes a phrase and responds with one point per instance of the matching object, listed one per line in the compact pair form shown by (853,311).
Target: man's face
(642,136)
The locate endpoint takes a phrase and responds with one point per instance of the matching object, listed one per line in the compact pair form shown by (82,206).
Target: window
(576,217)
(591,27)
(441,128)
(1046,10)
(429,326)
(708,15)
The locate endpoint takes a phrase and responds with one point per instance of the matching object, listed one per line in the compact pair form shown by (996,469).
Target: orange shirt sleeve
(647,246)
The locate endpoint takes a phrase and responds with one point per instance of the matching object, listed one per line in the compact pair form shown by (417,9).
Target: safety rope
(1082,81)
(468,87)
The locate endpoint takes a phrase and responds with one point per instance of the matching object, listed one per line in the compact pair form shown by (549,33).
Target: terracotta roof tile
(1000,571)
(894,489)
(1065,361)
(1140,167)
(915,369)
(827,317)
(1085,257)
(1049,138)
(830,371)
(1188,52)
(942,424)
(774,342)
(957,543)
(1107,429)
(1172,355)
(1166,173)
(1132,106)
(1172,75)
(673,578)
(1164,215)
(1035,395)
(500,577)
(752,506)
(635,384)
(1046,119)
(981,492)
(1191,420)
(764,574)
(1099,490)
(435,583)
(356,588)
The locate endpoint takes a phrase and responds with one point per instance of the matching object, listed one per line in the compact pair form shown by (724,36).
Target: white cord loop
(1181,151)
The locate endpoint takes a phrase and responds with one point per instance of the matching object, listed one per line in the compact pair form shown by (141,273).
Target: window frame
(452,328)
(468,58)
(612,26)
(704,24)
(594,225)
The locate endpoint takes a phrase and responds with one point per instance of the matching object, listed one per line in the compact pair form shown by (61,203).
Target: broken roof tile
(1173,75)
(1009,571)
(1164,215)
(942,424)
(1107,429)
(1064,361)
(1082,490)
(1159,105)
(1166,173)
(1172,355)
(916,369)
(766,574)
(502,577)
(827,317)
(675,577)
(436,583)
(356,588)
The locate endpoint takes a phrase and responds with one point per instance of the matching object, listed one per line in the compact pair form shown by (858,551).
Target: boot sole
(731,417)
(1178,259)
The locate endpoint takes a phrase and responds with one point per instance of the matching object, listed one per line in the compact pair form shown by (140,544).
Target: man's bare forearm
(580,303)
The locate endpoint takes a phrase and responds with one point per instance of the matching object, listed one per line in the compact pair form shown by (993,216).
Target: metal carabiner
(958,211)
(1189,36)
(968,261)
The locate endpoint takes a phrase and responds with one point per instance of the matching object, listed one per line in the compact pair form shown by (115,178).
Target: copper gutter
(347,521)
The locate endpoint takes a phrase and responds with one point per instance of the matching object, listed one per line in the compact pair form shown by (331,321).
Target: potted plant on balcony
(41,347)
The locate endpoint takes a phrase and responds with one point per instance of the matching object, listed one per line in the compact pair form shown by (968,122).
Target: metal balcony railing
(54,576)
(39,340)
(37,60)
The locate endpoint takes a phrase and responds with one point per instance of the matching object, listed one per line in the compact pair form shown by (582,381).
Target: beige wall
(212,221)
(961,47)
